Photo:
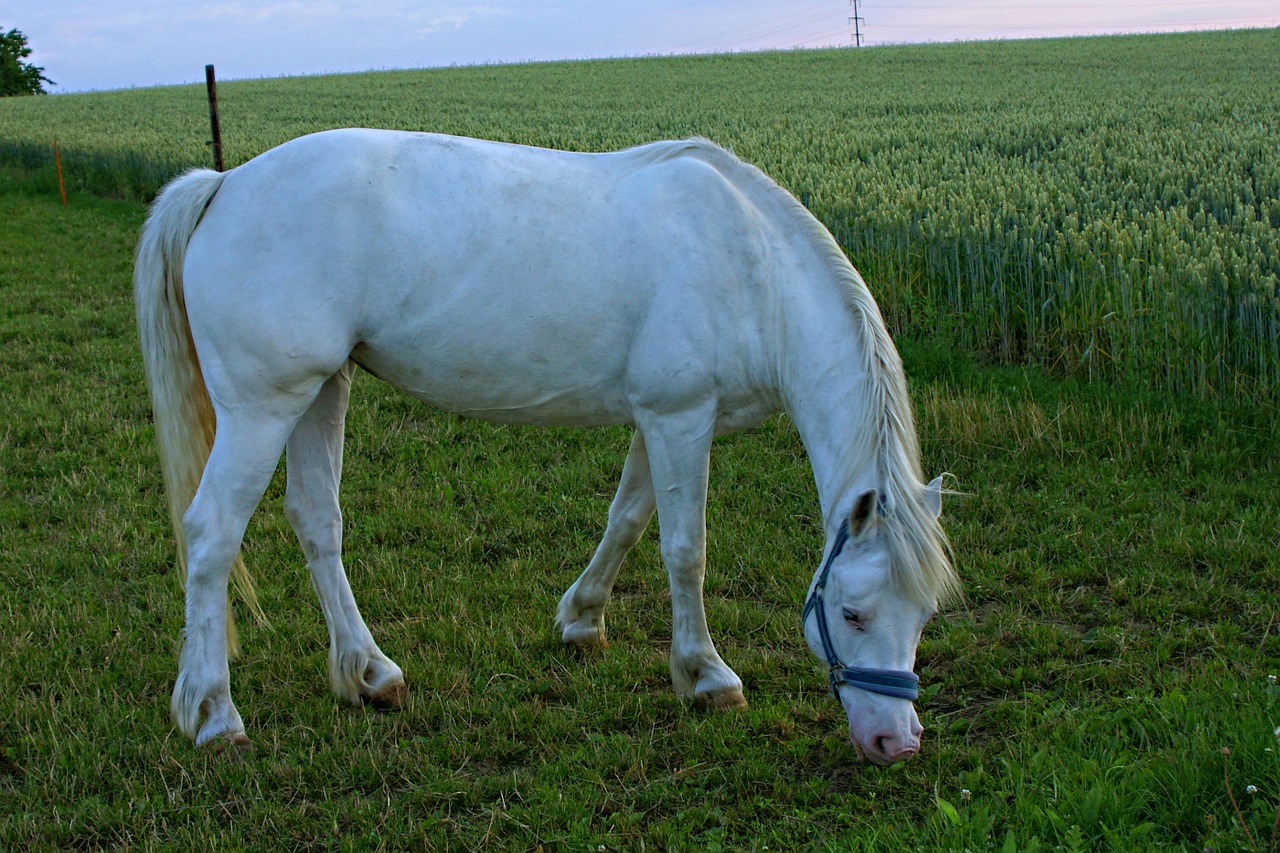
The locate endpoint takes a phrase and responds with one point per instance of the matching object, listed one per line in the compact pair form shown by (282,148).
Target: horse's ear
(933,496)
(863,514)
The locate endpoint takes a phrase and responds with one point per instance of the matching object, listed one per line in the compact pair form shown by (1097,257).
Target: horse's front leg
(358,670)
(679,457)
(581,611)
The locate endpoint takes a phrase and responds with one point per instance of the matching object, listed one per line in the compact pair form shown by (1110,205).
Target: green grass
(1119,551)
(1105,207)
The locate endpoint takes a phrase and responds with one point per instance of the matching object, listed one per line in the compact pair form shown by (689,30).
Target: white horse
(671,287)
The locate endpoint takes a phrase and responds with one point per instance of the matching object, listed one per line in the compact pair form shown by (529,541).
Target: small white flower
(1252,789)
(966,794)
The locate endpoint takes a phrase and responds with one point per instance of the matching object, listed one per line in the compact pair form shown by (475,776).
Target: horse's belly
(489,380)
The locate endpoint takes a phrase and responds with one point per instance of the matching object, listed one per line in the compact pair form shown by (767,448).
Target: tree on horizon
(16,76)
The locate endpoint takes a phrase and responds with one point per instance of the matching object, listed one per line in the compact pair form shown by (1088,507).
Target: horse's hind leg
(358,670)
(581,611)
(245,452)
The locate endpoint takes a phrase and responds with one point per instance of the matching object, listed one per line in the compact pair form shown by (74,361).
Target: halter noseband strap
(900,684)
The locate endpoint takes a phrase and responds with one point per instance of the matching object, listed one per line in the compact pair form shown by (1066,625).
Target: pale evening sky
(123,43)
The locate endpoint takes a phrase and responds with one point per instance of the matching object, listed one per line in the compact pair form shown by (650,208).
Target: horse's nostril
(889,749)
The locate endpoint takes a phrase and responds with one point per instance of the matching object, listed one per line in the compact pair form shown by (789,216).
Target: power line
(826,39)
(778,26)
(1128,25)
(969,7)
(810,18)
(762,29)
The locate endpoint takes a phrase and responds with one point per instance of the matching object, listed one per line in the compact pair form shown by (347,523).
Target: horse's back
(509,282)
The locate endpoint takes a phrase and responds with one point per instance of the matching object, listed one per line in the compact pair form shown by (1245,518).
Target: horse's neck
(828,391)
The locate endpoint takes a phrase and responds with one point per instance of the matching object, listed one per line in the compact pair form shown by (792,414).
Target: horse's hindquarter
(499,281)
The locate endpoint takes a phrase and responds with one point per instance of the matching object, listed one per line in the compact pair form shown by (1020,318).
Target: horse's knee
(683,556)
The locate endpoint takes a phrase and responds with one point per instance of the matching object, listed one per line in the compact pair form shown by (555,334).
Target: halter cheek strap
(899,684)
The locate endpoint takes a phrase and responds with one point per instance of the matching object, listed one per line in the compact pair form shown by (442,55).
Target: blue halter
(887,682)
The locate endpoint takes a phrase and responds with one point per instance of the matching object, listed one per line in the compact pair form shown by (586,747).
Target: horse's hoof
(236,744)
(723,699)
(584,638)
(388,698)
(241,742)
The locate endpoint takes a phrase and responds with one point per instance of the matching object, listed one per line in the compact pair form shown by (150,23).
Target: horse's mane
(918,546)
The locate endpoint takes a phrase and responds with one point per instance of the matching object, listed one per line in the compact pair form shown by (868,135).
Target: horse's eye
(852,618)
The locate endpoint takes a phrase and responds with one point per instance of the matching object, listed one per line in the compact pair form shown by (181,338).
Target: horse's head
(865,623)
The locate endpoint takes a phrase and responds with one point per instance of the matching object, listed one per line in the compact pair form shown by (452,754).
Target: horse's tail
(184,417)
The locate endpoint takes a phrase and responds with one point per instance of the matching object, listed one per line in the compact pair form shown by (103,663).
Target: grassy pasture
(1103,207)
(1118,549)
(1118,542)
